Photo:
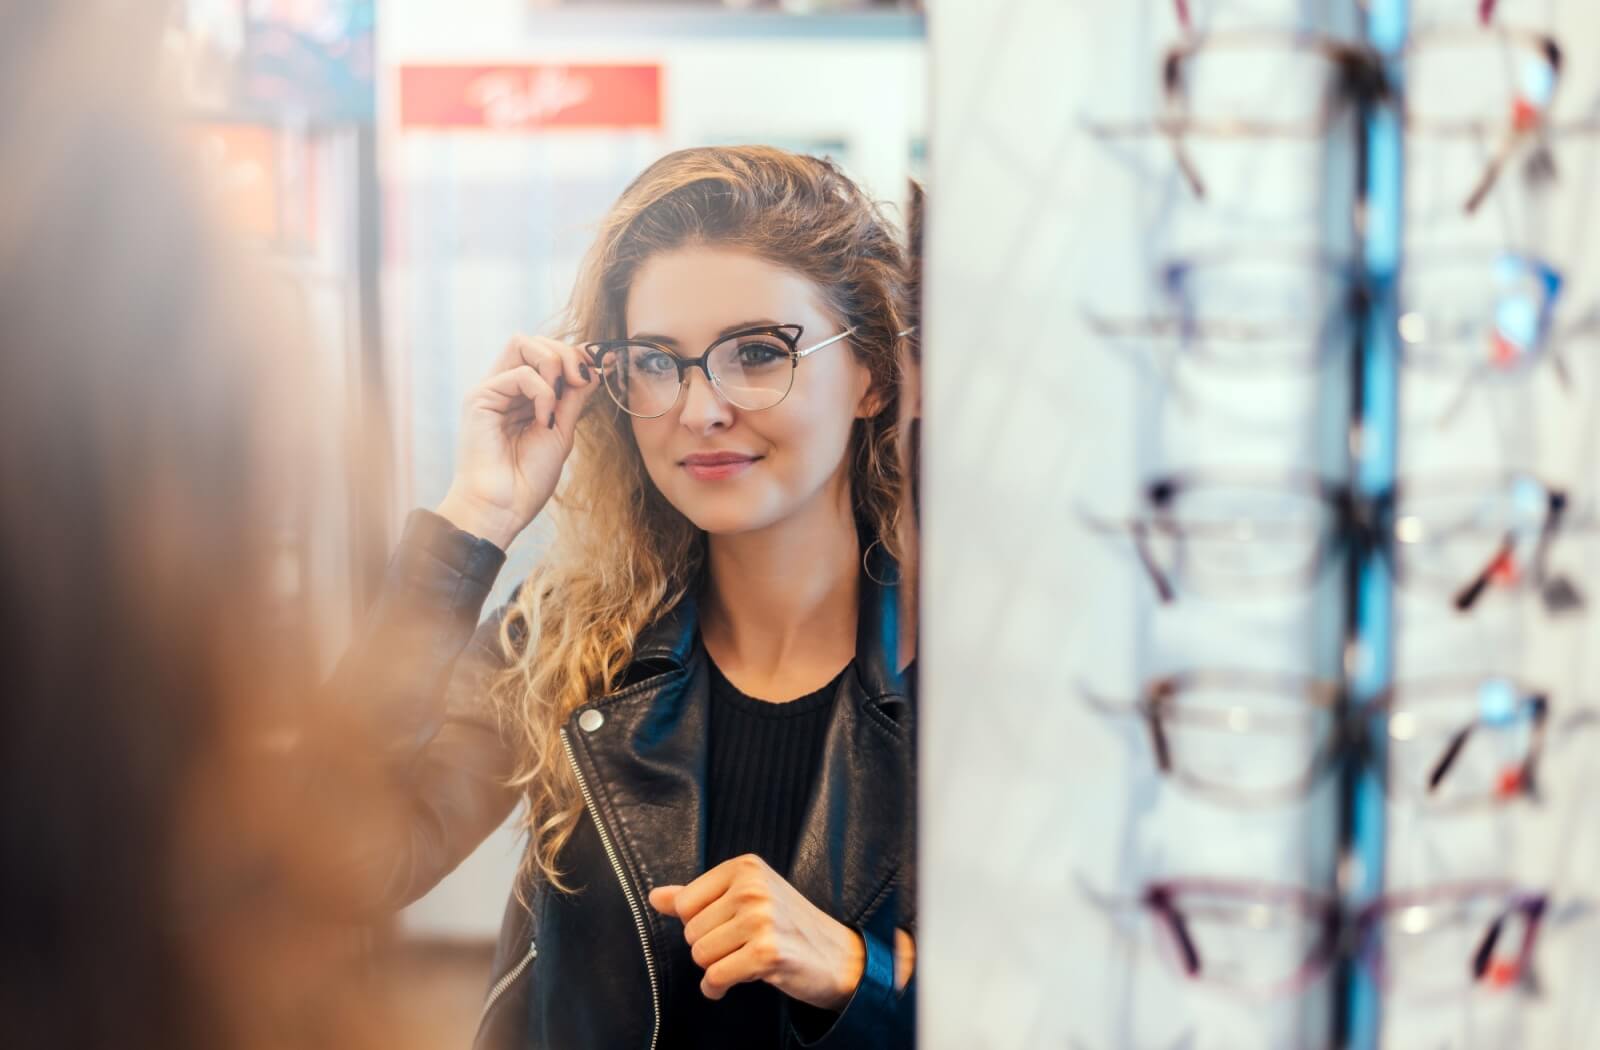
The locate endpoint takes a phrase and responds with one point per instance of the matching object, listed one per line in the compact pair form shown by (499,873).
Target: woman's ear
(876,398)
(872,397)
(873,401)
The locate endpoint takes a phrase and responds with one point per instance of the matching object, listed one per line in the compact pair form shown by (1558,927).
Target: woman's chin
(728,517)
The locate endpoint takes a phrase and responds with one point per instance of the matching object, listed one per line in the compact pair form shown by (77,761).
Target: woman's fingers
(569,405)
(516,352)
(749,963)
(524,350)
(516,391)
(539,383)
(522,396)
(575,362)
(561,365)
(718,943)
(709,918)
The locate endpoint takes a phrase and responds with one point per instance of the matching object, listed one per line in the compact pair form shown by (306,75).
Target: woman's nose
(704,407)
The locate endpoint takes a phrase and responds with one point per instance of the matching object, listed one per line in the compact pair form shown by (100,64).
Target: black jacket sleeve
(878,1015)
(414,764)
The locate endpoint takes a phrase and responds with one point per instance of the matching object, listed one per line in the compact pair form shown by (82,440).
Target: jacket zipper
(627,889)
(508,980)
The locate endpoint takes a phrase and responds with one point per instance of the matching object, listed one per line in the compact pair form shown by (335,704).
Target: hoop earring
(866,555)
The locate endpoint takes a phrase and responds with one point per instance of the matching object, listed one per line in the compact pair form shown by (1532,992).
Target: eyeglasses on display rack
(1249,738)
(1476,314)
(1487,85)
(1263,940)
(753,367)
(1243,534)
(1486,315)
(1245,310)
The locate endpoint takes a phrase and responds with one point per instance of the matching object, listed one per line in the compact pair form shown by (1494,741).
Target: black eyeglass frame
(788,334)
(1342,932)
(1359,82)
(1350,733)
(1352,522)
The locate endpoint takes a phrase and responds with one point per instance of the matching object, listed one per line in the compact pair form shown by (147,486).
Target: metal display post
(1369,657)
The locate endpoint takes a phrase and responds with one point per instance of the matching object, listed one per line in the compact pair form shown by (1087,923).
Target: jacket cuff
(427,535)
(865,1015)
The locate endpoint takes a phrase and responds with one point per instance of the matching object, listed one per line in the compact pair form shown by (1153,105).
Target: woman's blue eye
(759,354)
(654,362)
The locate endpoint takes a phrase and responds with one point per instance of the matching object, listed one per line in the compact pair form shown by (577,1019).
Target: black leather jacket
(592,969)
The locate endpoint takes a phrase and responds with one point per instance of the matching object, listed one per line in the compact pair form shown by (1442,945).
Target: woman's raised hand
(517,430)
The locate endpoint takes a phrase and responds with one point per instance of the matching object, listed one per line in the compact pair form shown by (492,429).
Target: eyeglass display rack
(1359,627)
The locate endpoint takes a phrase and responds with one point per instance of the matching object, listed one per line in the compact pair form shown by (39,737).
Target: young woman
(703,694)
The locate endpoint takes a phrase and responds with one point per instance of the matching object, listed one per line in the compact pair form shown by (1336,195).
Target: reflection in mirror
(648,325)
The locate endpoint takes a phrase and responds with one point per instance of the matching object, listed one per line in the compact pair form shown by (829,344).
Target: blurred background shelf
(710,20)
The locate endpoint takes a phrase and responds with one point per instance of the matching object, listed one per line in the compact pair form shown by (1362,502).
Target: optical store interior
(844,524)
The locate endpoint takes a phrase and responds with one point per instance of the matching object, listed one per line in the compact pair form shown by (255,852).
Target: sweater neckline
(730,694)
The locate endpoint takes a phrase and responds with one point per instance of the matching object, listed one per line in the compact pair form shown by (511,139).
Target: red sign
(526,98)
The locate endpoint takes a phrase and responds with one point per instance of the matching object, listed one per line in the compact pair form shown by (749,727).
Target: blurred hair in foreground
(154,868)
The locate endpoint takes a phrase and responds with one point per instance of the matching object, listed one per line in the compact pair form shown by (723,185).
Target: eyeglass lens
(752,371)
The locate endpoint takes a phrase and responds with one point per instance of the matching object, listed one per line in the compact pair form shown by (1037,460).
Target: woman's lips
(718,466)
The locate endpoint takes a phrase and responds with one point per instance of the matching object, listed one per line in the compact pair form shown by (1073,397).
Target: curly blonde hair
(622,555)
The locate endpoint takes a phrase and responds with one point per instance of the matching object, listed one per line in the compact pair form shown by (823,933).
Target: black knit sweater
(763,763)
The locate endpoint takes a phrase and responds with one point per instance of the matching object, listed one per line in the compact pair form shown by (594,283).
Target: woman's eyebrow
(667,340)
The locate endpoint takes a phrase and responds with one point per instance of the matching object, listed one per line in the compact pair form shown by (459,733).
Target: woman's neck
(779,613)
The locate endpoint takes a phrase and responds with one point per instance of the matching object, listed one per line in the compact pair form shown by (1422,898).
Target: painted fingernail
(583,370)
(552,421)
(561,386)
